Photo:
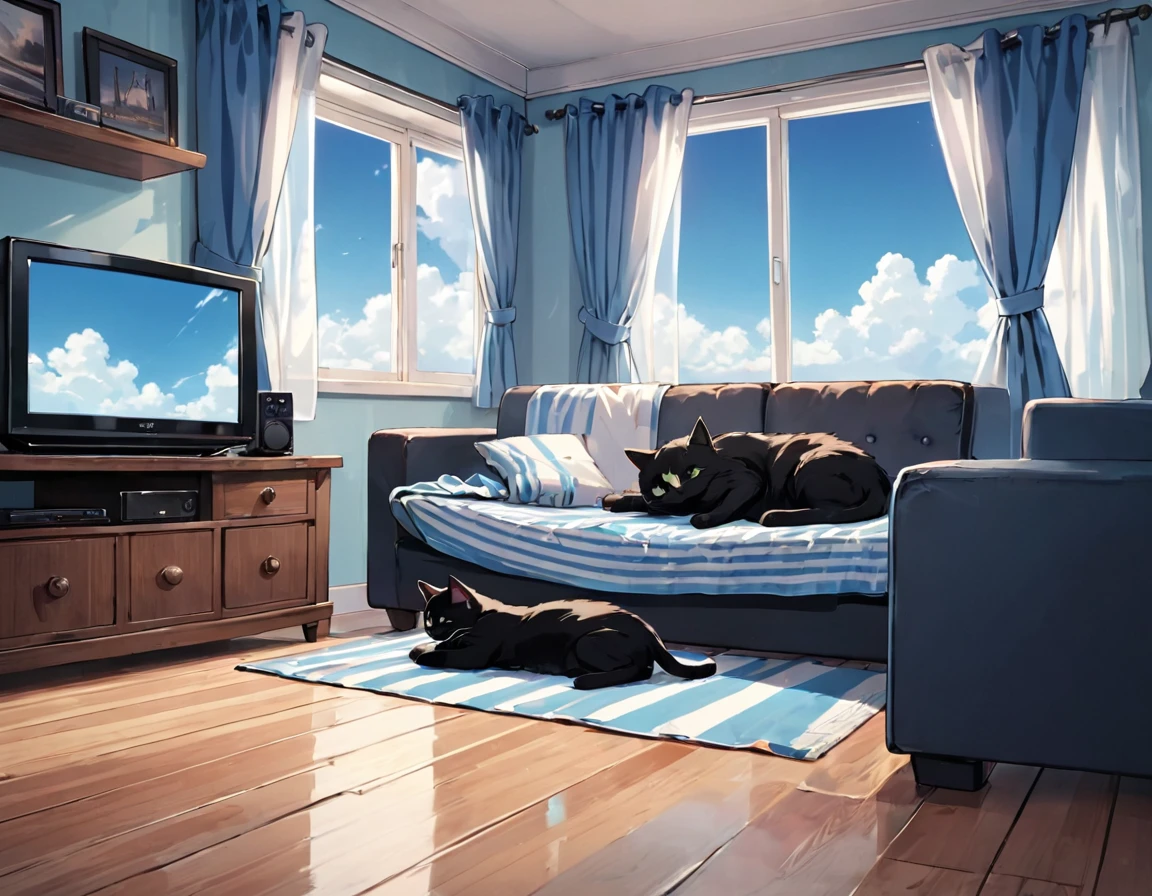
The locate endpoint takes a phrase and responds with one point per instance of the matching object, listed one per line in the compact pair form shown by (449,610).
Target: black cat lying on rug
(596,643)
(770,479)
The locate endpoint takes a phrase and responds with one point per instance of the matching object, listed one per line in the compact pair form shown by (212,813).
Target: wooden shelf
(54,138)
(81,463)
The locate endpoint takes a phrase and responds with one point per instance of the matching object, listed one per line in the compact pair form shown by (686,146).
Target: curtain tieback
(500,317)
(1021,303)
(203,257)
(609,333)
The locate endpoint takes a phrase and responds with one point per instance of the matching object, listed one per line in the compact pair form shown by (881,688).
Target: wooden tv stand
(254,558)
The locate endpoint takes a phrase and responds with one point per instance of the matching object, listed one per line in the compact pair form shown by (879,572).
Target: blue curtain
(1028,105)
(493,144)
(236,43)
(606,162)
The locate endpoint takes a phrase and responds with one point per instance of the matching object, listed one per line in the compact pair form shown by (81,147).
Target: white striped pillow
(552,470)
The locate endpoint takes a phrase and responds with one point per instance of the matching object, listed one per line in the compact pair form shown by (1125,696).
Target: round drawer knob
(173,575)
(58,586)
(268,495)
(271,566)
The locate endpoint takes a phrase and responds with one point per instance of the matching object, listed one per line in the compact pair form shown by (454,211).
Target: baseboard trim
(348,598)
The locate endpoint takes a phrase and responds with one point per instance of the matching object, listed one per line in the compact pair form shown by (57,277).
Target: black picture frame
(98,47)
(12,72)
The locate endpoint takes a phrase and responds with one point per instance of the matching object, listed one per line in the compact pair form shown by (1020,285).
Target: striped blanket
(799,708)
(591,548)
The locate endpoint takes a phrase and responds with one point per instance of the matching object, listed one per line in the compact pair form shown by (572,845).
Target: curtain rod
(529,129)
(1143,11)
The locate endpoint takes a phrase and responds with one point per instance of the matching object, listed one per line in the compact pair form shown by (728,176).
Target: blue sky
(353,220)
(171,331)
(861,185)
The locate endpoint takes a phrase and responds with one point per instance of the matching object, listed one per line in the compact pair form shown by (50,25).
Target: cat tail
(873,506)
(673,666)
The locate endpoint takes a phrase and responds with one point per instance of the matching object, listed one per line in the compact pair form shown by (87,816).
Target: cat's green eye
(672,479)
(657,492)
(694,472)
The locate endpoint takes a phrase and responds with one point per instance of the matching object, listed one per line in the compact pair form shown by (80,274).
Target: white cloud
(78,378)
(443,198)
(901,327)
(445,321)
(363,344)
(445,328)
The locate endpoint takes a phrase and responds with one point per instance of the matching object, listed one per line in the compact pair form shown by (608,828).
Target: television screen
(110,343)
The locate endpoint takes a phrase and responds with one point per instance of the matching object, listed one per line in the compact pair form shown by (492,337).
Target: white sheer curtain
(1094,296)
(655,330)
(289,266)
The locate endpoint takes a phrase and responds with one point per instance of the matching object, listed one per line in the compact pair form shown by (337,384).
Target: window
(820,240)
(395,249)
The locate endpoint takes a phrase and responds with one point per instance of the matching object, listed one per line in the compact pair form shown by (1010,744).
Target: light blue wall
(52,202)
(547,285)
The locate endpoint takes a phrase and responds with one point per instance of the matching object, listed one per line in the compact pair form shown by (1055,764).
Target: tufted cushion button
(926,441)
(869,438)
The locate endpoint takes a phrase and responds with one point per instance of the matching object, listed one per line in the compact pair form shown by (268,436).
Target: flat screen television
(112,354)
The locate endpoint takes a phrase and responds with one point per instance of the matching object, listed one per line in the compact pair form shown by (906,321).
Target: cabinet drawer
(57,586)
(172,575)
(263,497)
(265,565)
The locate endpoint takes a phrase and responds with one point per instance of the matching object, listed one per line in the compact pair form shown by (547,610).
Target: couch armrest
(1020,613)
(1082,429)
(402,457)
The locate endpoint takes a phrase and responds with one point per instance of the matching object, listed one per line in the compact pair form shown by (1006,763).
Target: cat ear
(640,459)
(461,593)
(428,591)
(700,434)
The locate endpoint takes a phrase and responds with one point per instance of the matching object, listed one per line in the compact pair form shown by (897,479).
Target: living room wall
(547,265)
(157,219)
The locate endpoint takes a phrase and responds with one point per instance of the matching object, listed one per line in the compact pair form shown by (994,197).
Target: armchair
(1021,611)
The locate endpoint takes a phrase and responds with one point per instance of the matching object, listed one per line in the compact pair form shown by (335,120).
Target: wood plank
(964,831)
(1059,836)
(524,852)
(96,775)
(1127,864)
(414,814)
(889,877)
(141,828)
(55,750)
(807,843)
(858,766)
(1006,885)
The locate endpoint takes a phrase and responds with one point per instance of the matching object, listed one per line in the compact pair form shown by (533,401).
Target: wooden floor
(172,773)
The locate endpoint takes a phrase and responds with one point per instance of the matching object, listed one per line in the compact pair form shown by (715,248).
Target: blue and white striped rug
(798,708)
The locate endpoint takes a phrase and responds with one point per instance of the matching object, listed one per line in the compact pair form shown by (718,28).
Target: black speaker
(274,426)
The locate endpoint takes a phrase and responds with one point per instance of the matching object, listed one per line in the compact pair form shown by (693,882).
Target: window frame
(774,112)
(351,99)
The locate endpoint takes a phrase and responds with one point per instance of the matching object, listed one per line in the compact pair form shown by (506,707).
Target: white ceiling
(537,47)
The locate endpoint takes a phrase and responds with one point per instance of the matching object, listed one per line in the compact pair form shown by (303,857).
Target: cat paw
(419,650)
(702,521)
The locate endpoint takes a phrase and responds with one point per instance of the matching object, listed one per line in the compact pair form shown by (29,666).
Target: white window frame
(351,99)
(774,112)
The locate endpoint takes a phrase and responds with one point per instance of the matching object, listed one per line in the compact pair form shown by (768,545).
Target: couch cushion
(594,549)
(732,407)
(898,423)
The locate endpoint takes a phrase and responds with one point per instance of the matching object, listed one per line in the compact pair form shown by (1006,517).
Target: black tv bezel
(23,430)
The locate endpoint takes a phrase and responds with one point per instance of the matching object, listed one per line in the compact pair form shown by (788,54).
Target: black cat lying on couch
(772,479)
(596,643)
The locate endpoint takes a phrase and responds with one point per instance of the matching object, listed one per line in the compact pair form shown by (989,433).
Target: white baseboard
(349,598)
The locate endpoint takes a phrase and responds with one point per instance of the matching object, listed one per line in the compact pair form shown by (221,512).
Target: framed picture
(30,68)
(134,88)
